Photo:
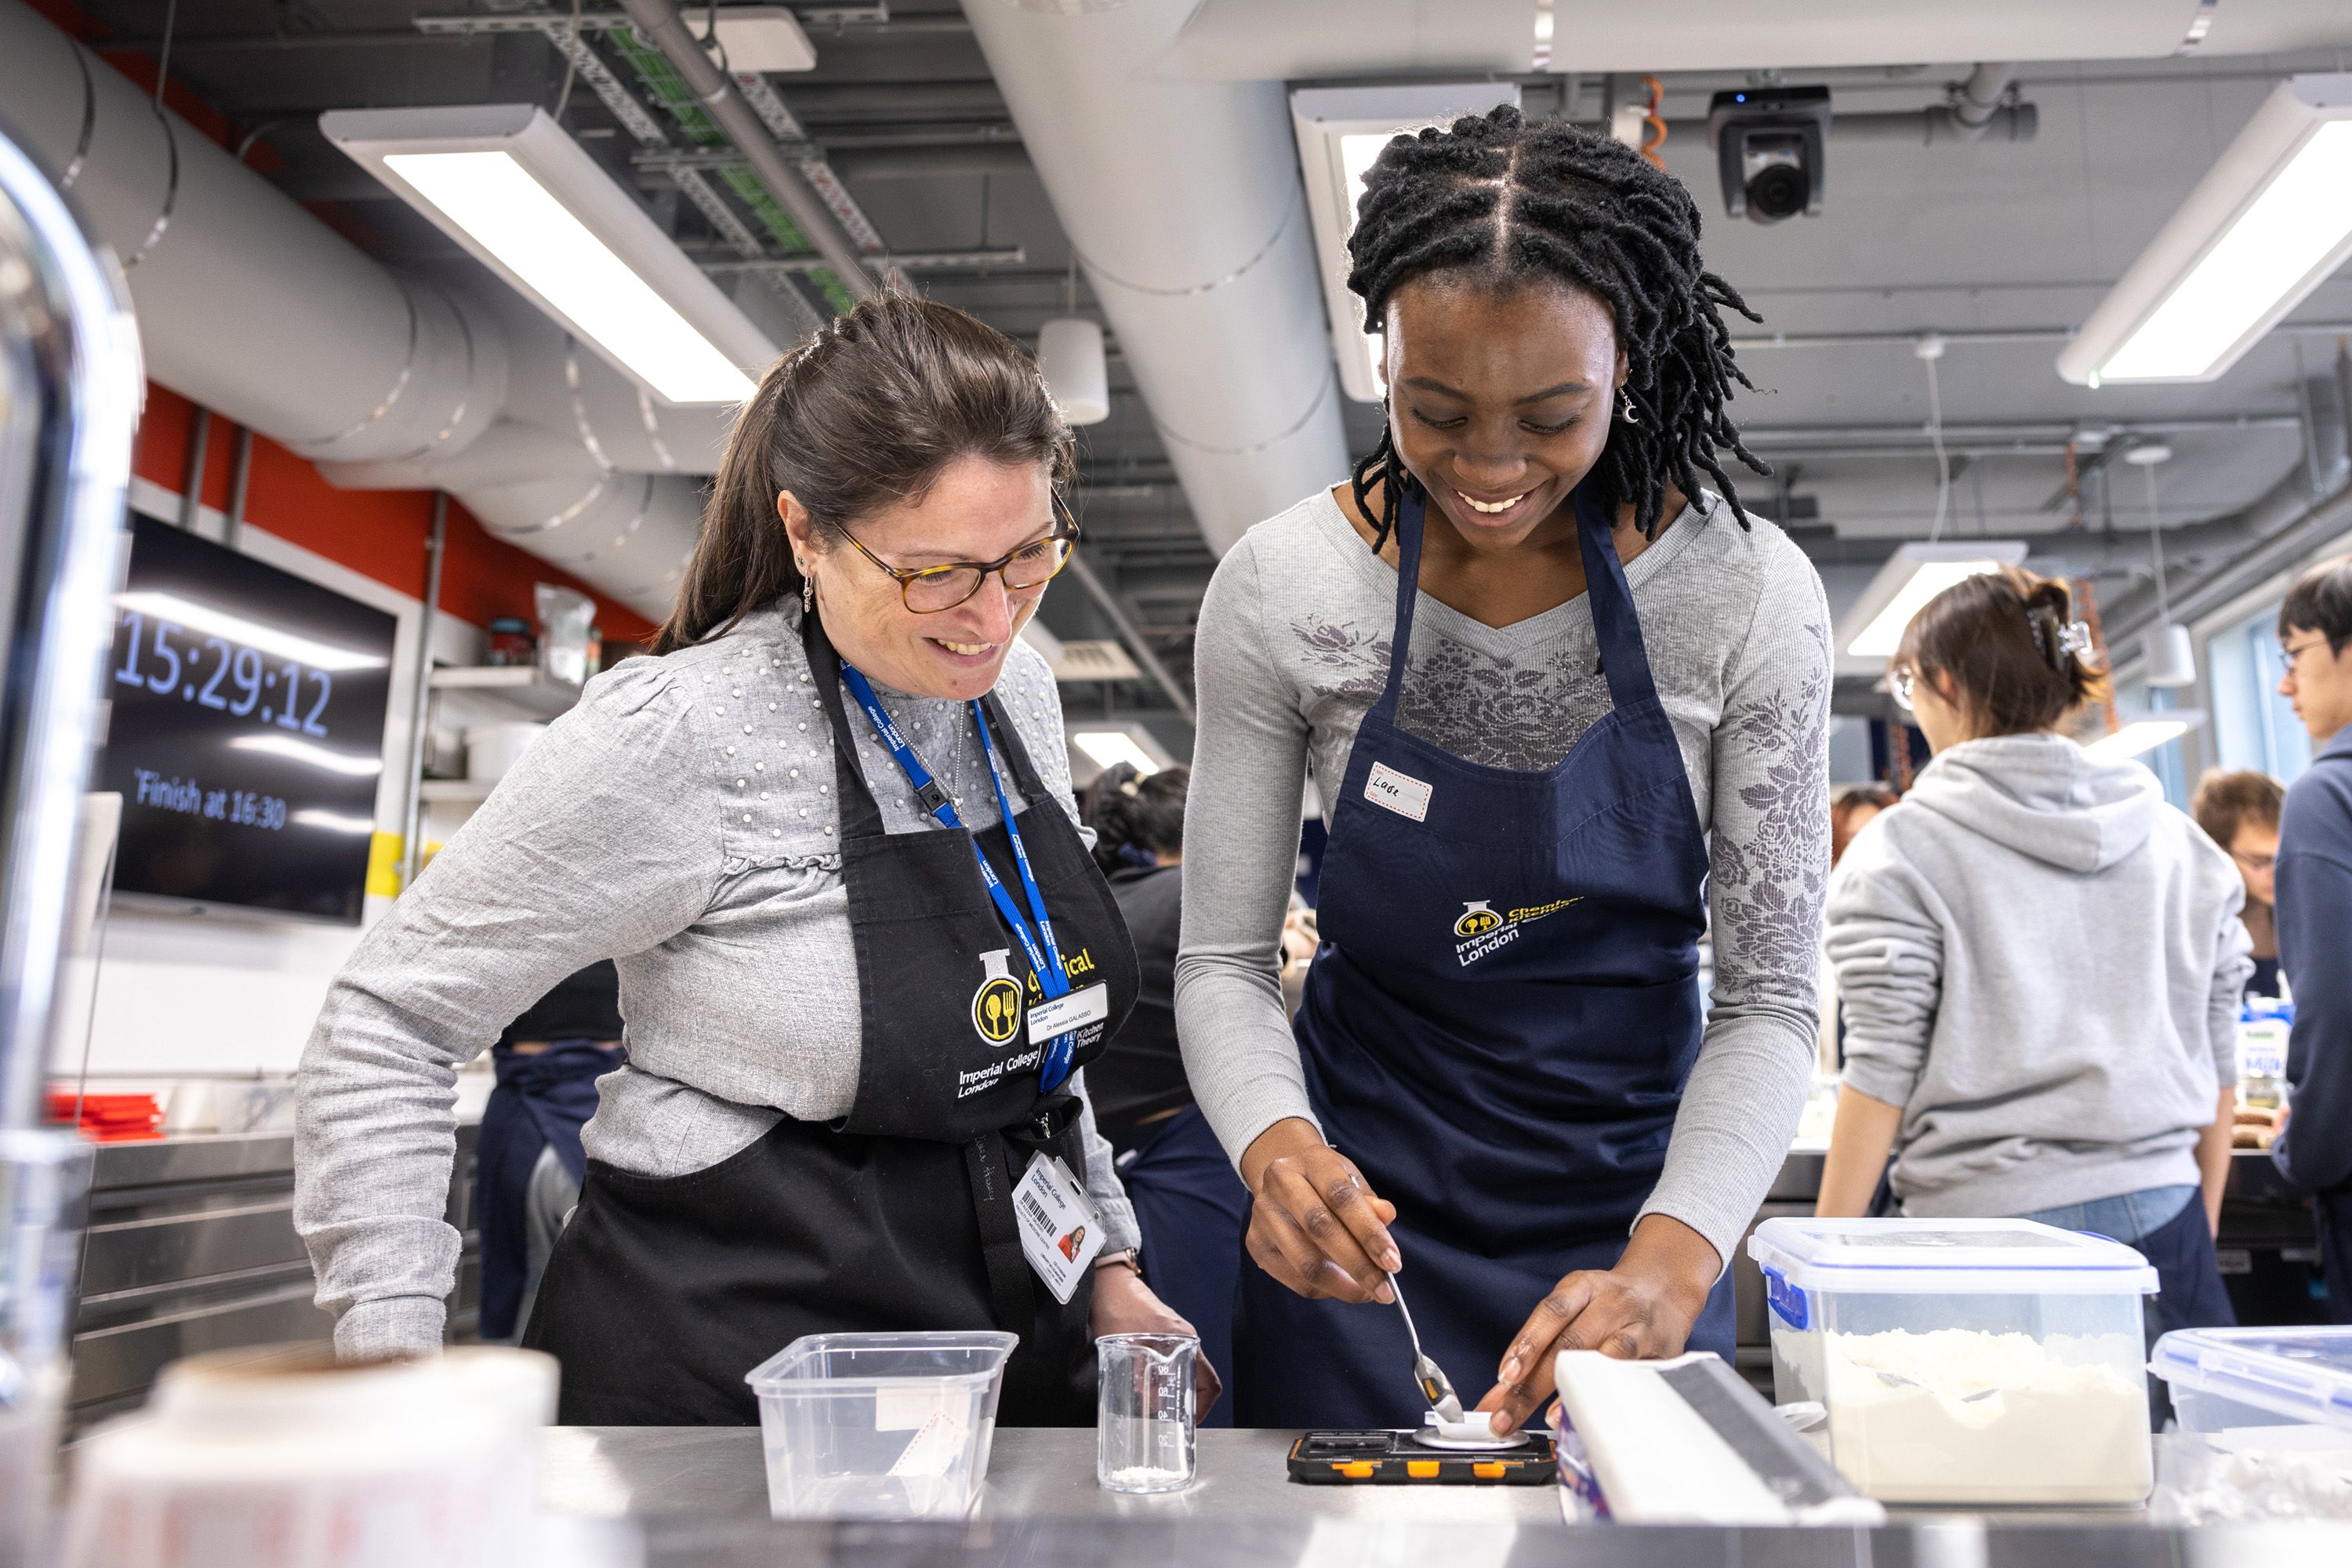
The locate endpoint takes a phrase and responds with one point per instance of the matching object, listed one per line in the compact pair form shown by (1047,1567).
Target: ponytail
(1135,818)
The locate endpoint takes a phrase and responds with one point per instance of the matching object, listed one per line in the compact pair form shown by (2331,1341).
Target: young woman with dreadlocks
(1562,699)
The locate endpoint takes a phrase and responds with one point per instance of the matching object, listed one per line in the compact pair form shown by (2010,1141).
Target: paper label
(933,1449)
(1405,796)
(1058,1233)
(1065,1015)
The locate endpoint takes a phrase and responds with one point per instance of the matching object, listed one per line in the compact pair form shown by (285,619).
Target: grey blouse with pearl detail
(681,821)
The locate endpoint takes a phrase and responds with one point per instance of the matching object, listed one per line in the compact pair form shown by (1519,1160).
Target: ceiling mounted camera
(1768,148)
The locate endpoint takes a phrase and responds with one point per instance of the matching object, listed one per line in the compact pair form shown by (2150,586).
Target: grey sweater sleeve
(587,822)
(1888,951)
(1768,854)
(2233,963)
(1241,816)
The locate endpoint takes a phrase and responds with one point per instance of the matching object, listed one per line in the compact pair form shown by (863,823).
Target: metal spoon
(1426,1371)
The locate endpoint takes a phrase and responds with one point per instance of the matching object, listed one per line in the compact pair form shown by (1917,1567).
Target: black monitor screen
(246,732)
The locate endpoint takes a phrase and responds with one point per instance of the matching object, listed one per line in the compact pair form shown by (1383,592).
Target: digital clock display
(246,730)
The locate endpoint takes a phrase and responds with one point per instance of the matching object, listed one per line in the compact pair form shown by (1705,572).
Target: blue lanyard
(1051,977)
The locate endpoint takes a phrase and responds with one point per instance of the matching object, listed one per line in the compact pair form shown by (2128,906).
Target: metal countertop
(697,1497)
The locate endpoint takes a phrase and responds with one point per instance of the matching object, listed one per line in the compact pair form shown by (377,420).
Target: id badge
(1059,1234)
(1067,1015)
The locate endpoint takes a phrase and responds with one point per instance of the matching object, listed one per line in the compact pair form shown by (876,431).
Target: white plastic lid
(2304,1374)
(1973,1257)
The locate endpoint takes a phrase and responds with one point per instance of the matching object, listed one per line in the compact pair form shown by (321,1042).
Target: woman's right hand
(1315,1226)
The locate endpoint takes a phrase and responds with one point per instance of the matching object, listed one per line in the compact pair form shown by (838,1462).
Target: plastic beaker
(1143,1414)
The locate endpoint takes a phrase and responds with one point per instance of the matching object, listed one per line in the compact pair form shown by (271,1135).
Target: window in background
(2166,761)
(2253,725)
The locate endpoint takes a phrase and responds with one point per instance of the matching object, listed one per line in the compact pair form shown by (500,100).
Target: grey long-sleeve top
(681,821)
(1292,651)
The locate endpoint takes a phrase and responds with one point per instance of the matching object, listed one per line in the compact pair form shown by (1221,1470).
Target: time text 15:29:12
(153,662)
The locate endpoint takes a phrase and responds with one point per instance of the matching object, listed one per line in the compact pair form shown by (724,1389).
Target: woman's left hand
(1639,1310)
(1124,1304)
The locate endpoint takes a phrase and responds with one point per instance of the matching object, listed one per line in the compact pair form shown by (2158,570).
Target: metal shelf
(524,687)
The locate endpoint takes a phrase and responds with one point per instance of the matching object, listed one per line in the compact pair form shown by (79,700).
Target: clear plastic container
(1144,1432)
(2265,1424)
(879,1425)
(1964,1360)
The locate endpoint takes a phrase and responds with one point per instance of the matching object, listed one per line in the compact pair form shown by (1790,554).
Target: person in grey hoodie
(2040,960)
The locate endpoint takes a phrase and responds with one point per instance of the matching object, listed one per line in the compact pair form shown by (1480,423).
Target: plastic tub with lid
(879,1425)
(1993,1360)
(2265,1423)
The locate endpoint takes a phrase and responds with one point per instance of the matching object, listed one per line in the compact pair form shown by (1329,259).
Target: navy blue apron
(541,1100)
(1498,1026)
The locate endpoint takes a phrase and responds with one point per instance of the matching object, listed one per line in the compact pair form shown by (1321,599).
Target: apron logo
(996,1005)
(1476,920)
(1481,929)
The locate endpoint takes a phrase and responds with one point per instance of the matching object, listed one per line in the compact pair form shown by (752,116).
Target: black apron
(664,1291)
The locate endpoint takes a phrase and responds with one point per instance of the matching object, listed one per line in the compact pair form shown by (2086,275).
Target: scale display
(246,734)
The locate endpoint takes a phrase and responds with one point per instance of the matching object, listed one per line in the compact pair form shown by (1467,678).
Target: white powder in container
(1964,1417)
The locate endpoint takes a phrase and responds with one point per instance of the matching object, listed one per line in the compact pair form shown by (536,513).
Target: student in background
(2040,960)
(1851,809)
(527,1161)
(2239,812)
(2313,1149)
(1188,1204)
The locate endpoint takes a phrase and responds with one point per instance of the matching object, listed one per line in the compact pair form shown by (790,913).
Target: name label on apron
(1058,1232)
(1063,1014)
(1405,796)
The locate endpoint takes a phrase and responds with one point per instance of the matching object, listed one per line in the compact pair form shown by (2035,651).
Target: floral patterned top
(1292,650)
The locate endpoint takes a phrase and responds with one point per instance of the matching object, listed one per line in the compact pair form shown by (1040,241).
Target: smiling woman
(1568,712)
(828,836)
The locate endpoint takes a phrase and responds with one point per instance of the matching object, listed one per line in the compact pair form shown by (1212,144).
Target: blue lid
(2304,1374)
(1973,1257)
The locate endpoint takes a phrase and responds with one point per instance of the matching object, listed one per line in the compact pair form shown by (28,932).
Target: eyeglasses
(1899,682)
(2292,653)
(932,589)
(2256,863)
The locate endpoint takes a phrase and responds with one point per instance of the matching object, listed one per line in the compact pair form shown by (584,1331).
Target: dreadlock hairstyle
(1493,198)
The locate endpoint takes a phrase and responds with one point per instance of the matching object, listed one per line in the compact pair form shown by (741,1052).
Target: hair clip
(2074,638)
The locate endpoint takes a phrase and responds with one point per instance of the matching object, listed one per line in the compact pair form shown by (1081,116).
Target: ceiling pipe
(251,307)
(2310,506)
(1183,200)
(659,22)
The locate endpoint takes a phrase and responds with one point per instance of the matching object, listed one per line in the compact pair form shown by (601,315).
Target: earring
(808,593)
(1625,407)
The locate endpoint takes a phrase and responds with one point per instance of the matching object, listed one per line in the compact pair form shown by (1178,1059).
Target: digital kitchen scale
(1400,1459)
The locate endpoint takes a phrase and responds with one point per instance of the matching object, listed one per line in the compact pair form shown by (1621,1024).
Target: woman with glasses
(827,834)
(2040,960)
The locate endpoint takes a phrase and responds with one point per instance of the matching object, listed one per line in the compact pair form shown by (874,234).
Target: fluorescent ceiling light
(236,629)
(511,186)
(1108,745)
(1340,132)
(348,763)
(1872,628)
(2145,733)
(2267,225)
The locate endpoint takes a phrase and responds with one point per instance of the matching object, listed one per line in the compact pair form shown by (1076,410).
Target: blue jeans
(2168,1225)
(2127,1217)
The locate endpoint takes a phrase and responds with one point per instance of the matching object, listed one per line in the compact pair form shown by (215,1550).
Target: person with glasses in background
(2240,811)
(2314,1148)
(827,835)
(2040,960)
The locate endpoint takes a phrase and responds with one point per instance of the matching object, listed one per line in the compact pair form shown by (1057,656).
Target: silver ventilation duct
(251,307)
(1183,201)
